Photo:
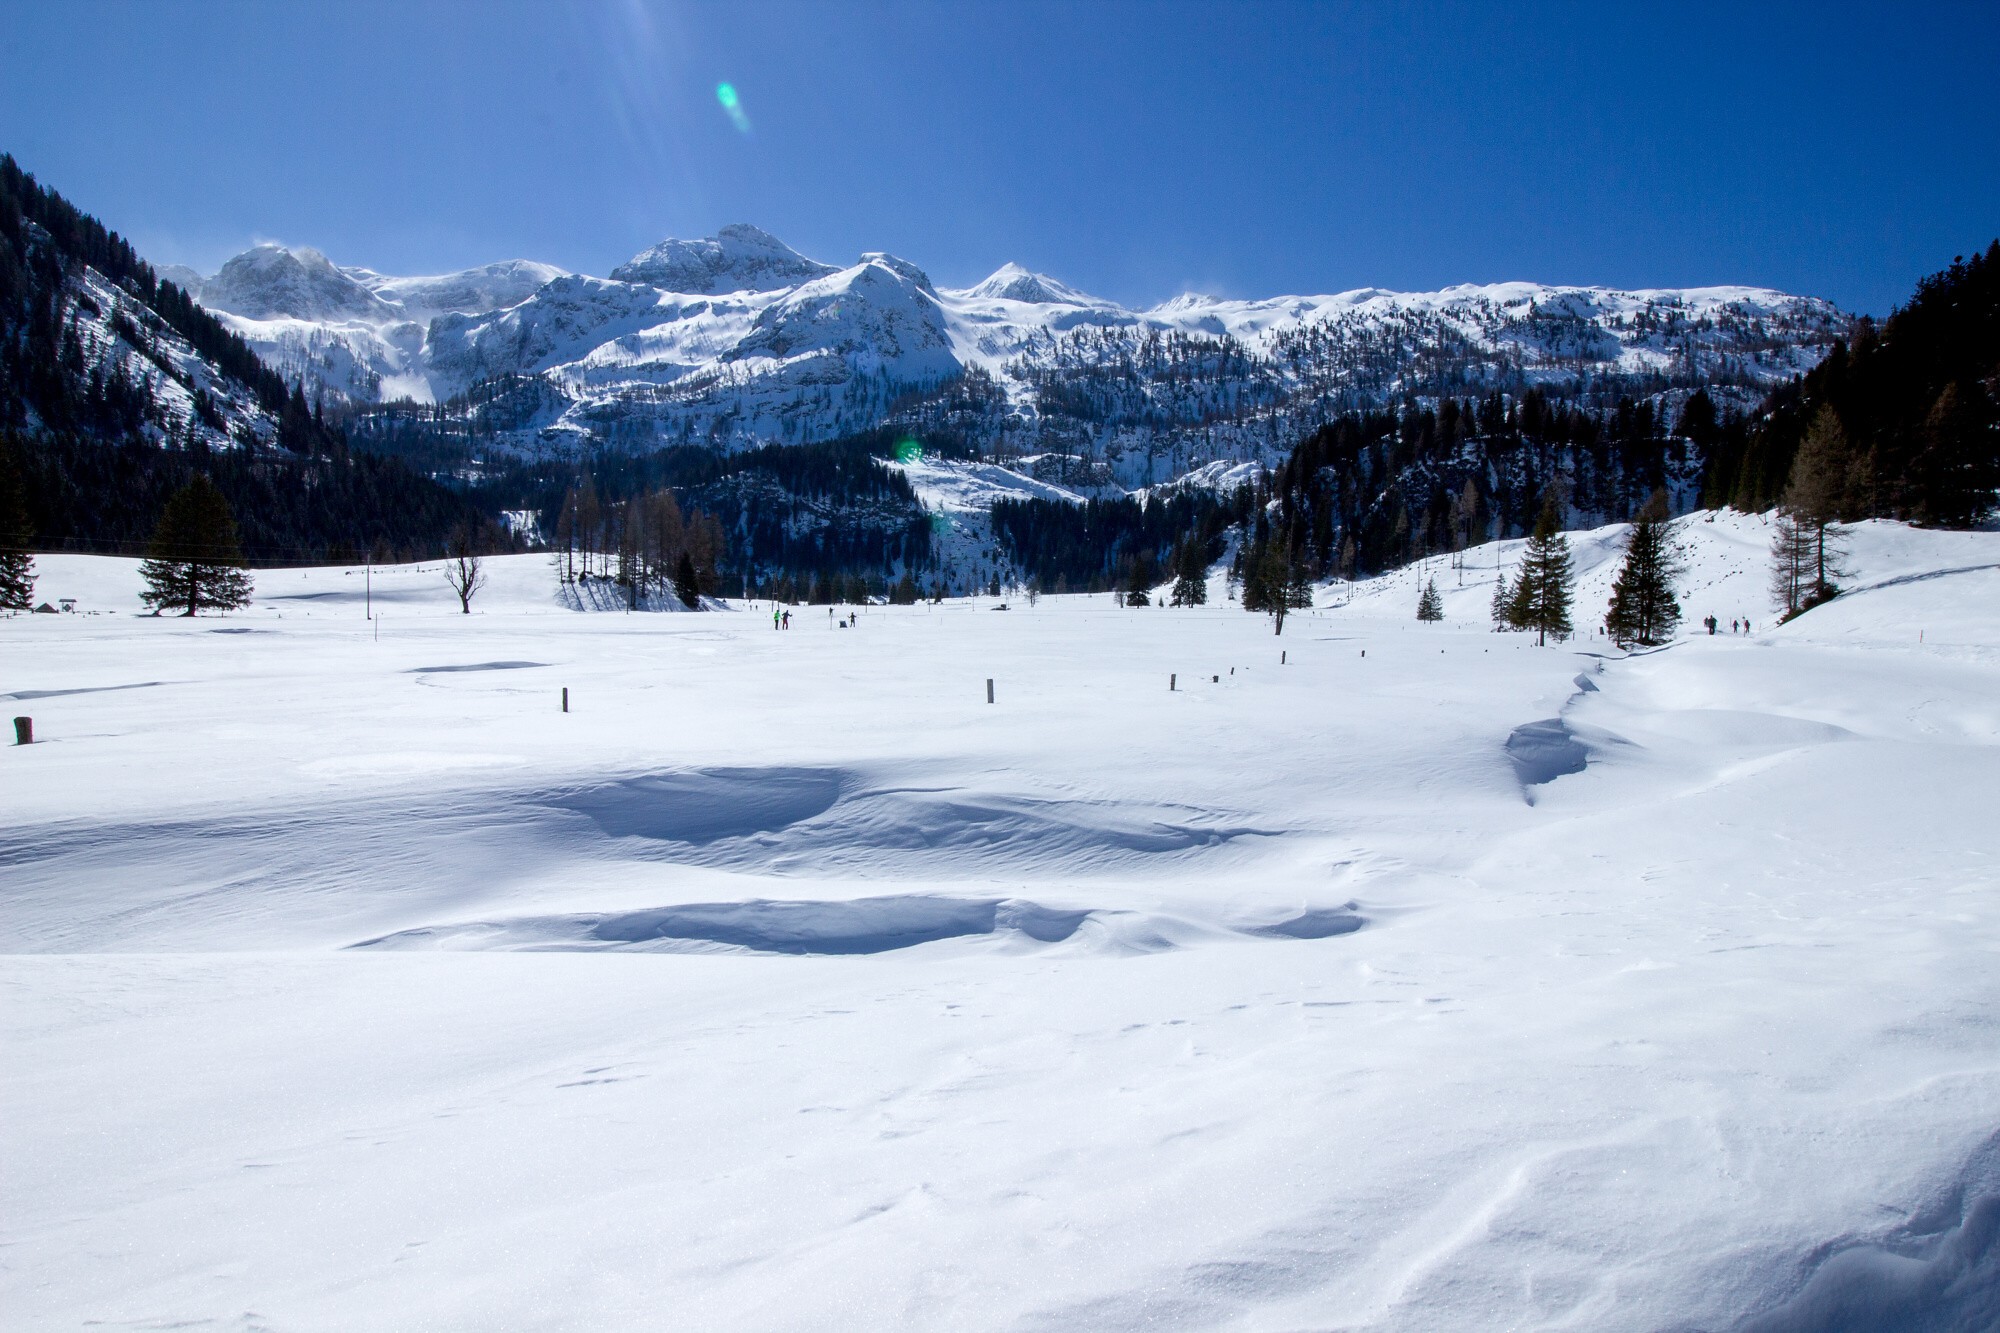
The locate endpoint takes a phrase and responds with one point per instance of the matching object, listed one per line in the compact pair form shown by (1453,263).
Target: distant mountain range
(858,423)
(737,340)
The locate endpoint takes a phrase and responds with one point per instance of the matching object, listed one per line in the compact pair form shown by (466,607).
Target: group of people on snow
(781,619)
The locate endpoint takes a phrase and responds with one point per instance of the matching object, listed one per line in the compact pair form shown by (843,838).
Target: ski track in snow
(785,983)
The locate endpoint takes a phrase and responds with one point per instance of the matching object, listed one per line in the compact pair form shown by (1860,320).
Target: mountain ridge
(737,340)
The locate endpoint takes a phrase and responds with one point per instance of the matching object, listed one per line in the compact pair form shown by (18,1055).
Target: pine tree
(1542,597)
(1952,485)
(1298,585)
(1816,497)
(1503,604)
(1791,565)
(193,560)
(1253,561)
(1643,608)
(1430,606)
(688,588)
(1521,600)
(17,534)
(1191,575)
(1274,583)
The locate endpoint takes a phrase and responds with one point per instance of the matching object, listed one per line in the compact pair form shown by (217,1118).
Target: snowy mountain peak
(901,267)
(738,258)
(182,277)
(1011,282)
(1186,301)
(274,282)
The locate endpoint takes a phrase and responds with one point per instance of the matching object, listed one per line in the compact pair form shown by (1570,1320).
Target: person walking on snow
(774,617)
(788,620)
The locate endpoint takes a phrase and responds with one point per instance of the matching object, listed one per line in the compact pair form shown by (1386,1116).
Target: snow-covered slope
(123,341)
(471,291)
(737,339)
(785,983)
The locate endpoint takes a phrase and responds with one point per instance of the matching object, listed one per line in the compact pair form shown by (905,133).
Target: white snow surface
(1429,980)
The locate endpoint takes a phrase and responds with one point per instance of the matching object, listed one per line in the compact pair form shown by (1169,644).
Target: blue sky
(1133,150)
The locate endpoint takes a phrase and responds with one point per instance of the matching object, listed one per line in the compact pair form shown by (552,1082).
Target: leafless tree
(462,569)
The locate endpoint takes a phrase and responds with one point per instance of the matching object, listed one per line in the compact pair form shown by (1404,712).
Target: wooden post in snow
(24,731)
(565,698)
(989,689)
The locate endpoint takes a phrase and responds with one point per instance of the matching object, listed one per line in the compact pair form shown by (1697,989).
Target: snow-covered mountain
(737,340)
(352,333)
(739,258)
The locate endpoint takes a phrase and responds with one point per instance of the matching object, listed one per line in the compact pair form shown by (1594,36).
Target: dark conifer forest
(116,389)
(1918,398)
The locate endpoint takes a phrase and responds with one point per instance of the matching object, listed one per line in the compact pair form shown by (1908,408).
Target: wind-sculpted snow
(1544,751)
(784,982)
(853,926)
(1938,1272)
(789,823)
(699,808)
(476,666)
(792,822)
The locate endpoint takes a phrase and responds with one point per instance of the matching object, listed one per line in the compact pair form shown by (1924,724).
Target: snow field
(784,983)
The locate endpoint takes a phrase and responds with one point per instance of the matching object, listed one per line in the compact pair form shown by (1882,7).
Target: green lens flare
(908,451)
(725,93)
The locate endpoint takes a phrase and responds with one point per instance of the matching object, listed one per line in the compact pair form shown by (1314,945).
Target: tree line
(1914,425)
(643,544)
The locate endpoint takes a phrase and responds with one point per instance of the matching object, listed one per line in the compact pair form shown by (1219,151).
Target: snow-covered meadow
(1426,980)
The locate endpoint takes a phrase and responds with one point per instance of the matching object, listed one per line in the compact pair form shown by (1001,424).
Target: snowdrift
(1424,979)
